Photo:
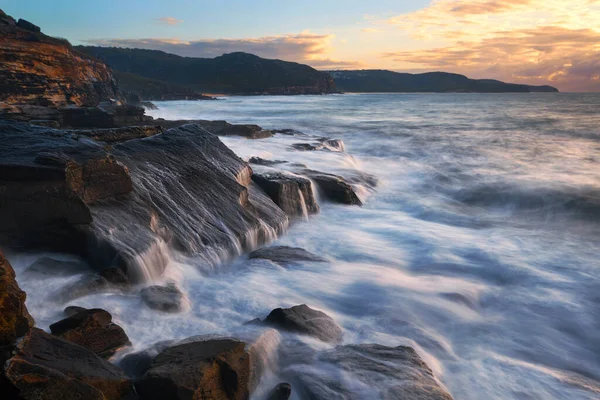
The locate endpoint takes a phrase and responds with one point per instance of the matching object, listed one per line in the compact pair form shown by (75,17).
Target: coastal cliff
(44,71)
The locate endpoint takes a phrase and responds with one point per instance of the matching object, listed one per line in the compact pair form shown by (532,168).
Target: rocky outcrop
(47,367)
(163,298)
(106,115)
(223,128)
(384,372)
(94,330)
(285,255)
(304,320)
(334,188)
(116,135)
(202,370)
(292,193)
(45,71)
(15,320)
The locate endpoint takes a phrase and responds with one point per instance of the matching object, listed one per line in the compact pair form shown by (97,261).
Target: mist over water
(479,246)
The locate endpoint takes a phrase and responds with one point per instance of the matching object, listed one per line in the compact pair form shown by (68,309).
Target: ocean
(478,247)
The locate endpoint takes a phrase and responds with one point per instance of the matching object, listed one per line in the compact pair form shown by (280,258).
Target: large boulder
(46,71)
(203,370)
(15,320)
(285,255)
(370,370)
(304,320)
(292,193)
(94,330)
(47,367)
(334,187)
(164,298)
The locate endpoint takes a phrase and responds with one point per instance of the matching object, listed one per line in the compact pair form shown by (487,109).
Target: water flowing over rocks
(92,329)
(334,188)
(47,367)
(292,193)
(285,255)
(164,298)
(304,320)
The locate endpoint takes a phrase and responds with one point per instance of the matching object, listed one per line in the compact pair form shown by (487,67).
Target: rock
(47,367)
(148,105)
(72,310)
(288,132)
(222,128)
(204,370)
(50,266)
(333,144)
(307,146)
(23,24)
(15,320)
(113,135)
(304,320)
(292,193)
(262,161)
(283,391)
(103,116)
(163,298)
(285,254)
(46,71)
(92,284)
(334,188)
(45,122)
(137,364)
(29,113)
(94,330)
(395,372)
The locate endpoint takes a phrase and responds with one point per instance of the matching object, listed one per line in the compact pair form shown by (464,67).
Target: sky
(545,42)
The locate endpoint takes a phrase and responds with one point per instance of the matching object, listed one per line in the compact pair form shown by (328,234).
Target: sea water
(479,246)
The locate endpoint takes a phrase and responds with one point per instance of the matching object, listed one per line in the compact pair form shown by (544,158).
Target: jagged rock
(47,367)
(113,135)
(15,320)
(203,370)
(292,193)
(282,391)
(334,188)
(94,330)
(304,320)
(47,71)
(164,298)
(285,255)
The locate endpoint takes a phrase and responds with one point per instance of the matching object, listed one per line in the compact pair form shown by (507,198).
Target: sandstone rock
(47,367)
(282,391)
(304,320)
(47,71)
(285,255)
(94,330)
(334,188)
(15,320)
(204,370)
(292,193)
(164,298)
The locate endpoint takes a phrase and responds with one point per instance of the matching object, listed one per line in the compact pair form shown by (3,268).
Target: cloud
(371,30)
(553,42)
(169,21)
(305,47)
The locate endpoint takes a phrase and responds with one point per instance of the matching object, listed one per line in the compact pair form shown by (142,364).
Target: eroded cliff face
(40,70)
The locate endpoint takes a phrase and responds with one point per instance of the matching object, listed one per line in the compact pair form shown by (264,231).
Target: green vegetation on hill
(235,73)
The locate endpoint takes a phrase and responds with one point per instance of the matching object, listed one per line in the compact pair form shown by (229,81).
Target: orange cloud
(169,21)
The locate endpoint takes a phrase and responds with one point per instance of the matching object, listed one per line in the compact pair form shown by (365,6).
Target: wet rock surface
(92,329)
(333,187)
(15,320)
(46,367)
(285,255)
(304,320)
(163,298)
(292,193)
(120,134)
(210,369)
(282,391)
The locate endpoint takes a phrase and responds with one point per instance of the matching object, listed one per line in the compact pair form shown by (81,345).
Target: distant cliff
(234,73)
(36,69)
(376,81)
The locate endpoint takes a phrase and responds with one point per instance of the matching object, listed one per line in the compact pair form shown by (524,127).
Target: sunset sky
(555,42)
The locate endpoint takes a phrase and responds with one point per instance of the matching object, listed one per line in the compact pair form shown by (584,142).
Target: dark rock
(103,116)
(112,135)
(333,144)
(396,372)
(88,285)
(307,146)
(29,113)
(45,122)
(304,320)
(148,105)
(23,24)
(222,128)
(47,71)
(115,276)
(94,330)
(288,132)
(334,188)
(285,254)
(163,298)
(72,310)
(47,367)
(15,320)
(50,266)
(262,161)
(283,391)
(292,193)
(211,369)
(137,364)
